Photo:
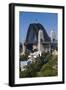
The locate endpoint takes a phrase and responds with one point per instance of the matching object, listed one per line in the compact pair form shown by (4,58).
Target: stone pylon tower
(40,41)
(23,49)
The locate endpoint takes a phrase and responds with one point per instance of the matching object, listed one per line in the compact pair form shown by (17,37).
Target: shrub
(48,70)
(43,66)
(24,57)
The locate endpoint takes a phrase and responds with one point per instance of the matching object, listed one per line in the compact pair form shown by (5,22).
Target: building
(53,36)
(54,43)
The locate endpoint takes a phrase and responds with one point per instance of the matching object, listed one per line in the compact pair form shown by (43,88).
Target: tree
(20,47)
(47,70)
(45,65)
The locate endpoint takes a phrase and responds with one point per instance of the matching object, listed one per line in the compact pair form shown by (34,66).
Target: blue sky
(48,20)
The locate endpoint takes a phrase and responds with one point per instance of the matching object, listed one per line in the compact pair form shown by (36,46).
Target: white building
(22,65)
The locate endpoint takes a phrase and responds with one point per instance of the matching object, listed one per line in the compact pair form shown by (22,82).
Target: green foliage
(46,65)
(53,61)
(29,72)
(20,47)
(24,74)
(24,57)
(48,70)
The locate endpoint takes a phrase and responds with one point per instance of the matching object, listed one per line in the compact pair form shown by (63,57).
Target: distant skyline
(48,20)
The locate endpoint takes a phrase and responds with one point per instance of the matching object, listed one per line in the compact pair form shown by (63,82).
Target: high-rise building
(53,36)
